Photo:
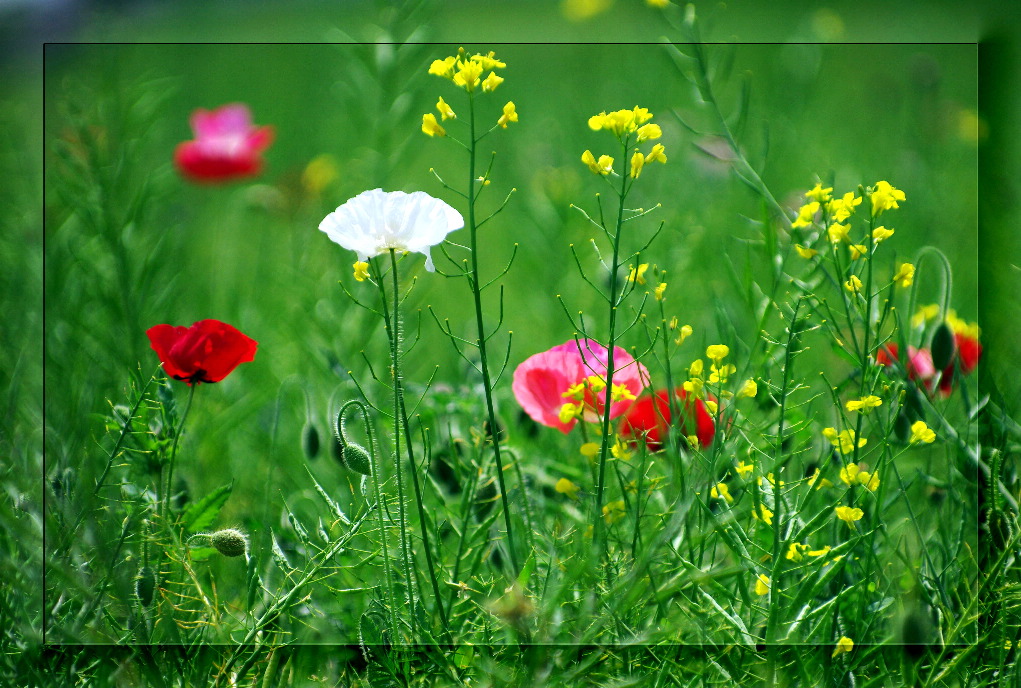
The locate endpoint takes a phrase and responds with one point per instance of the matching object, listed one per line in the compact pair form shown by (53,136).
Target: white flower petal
(373,222)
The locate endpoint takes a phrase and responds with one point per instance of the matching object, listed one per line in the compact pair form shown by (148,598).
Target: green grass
(129,245)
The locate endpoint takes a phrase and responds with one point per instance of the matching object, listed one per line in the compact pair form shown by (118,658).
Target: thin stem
(173,451)
(401,417)
(597,522)
(487,382)
(393,328)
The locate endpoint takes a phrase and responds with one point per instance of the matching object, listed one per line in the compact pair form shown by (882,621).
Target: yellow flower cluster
(797,551)
(853,475)
(465,71)
(865,404)
(849,515)
(843,440)
(623,124)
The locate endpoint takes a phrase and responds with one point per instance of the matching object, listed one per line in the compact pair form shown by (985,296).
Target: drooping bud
(229,542)
(943,346)
(350,454)
(356,458)
(145,585)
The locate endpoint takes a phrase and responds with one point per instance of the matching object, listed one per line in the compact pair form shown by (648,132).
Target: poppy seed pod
(310,441)
(229,542)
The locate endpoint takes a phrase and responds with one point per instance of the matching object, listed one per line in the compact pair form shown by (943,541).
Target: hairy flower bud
(229,542)
(943,346)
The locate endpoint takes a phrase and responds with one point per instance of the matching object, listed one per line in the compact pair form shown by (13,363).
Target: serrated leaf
(202,513)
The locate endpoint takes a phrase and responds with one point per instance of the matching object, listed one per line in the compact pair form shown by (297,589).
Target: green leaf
(202,513)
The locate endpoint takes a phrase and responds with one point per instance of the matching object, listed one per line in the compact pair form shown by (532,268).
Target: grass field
(441,552)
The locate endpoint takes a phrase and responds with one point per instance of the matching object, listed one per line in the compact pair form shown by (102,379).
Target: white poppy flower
(373,222)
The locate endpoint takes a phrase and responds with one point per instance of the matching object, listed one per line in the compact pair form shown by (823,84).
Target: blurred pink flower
(227,146)
(545,382)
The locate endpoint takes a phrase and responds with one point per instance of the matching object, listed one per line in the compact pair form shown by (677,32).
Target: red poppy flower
(226,145)
(968,351)
(649,418)
(205,352)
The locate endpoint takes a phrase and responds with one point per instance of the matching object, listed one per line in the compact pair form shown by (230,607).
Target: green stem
(393,328)
(487,382)
(173,452)
(401,411)
(597,521)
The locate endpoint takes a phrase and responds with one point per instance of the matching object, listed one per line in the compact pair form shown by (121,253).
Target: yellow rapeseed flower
(819,194)
(805,253)
(764,514)
(467,73)
(657,154)
(884,197)
(838,232)
(637,274)
(858,250)
(569,411)
(762,585)
(658,291)
(719,374)
(845,644)
(721,491)
(748,389)
(905,275)
(620,450)
(841,208)
(717,352)
(657,3)
(795,550)
(491,82)
(921,433)
(566,487)
(637,163)
(431,127)
(361,271)
(445,110)
(843,440)
(602,166)
(881,233)
(822,483)
(590,450)
(849,515)
(865,404)
(443,68)
(649,132)
(743,469)
(683,334)
(963,327)
(509,115)
(806,215)
(853,284)
(853,475)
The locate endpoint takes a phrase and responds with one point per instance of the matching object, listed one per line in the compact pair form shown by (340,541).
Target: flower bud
(356,458)
(229,542)
(943,346)
(145,585)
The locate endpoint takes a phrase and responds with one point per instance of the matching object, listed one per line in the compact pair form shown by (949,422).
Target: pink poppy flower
(570,374)
(919,365)
(227,146)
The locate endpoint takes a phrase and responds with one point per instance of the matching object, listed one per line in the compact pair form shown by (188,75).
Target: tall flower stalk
(465,72)
(631,129)
(380,223)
